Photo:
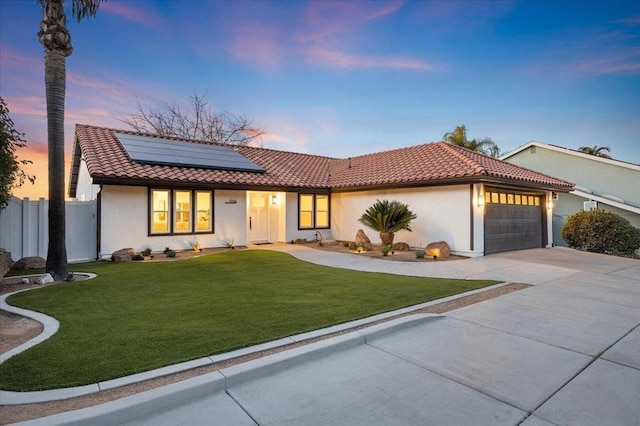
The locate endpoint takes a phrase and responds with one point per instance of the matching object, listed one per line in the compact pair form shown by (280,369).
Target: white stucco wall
(85,189)
(443,215)
(292,231)
(124,222)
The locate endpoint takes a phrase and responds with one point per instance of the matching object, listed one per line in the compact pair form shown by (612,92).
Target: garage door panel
(512,226)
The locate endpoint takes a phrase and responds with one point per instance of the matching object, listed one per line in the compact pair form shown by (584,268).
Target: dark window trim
(172,209)
(314,211)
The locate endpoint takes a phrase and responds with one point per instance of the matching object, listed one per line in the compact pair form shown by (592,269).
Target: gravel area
(17,413)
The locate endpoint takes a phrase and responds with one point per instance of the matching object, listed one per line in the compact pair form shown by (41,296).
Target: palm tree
(388,217)
(596,150)
(55,39)
(459,137)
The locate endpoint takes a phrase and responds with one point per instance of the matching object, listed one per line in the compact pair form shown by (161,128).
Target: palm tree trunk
(387,237)
(55,86)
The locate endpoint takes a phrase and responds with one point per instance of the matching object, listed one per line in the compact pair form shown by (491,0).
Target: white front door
(258,217)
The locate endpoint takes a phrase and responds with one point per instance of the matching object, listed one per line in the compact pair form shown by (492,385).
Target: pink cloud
(328,28)
(28,105)
(140,16)
(321,56)
(258,43)
(626,62)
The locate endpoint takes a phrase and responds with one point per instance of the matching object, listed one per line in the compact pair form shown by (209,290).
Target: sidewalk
(566,351)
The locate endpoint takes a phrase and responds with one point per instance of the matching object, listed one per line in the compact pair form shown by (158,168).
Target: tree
(596,150)
(10,139)
(198,122)
(459,137)
(388,217)
(55,39)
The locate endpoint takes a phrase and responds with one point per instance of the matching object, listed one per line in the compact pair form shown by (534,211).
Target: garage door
(512,221)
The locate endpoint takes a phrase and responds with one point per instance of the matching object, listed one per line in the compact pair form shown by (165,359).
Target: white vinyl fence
(24,228)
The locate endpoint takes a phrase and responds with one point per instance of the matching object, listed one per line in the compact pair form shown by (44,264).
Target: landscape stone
(328,242)
(362,240)
(437,250)
(123,255)
(32,262)
(25,281)
(44,279)
(401,247)
(300,241)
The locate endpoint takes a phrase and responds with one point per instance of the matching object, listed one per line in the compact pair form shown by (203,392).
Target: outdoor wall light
(480,200)
(274,199)
(550,204)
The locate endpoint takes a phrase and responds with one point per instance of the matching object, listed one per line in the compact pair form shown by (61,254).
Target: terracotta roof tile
(421,164)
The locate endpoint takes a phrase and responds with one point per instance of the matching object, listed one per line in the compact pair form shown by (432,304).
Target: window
(180,211)
(203,211)
(313,211)
(160,211)
(183,211)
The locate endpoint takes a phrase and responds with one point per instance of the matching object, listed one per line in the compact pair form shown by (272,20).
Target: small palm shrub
(601,232)
(388,217)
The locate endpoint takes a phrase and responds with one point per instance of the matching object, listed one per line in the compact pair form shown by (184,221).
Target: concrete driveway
(566,351)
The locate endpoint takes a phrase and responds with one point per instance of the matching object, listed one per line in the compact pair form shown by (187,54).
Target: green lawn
(138,316)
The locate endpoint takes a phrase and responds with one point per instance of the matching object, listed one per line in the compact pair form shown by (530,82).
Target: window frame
(314,211)
(172,212)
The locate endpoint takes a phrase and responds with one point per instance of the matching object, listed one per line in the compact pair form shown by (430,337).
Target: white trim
(571,152)
(607,201)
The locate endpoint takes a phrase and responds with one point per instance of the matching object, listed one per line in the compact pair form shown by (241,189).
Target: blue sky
(344,78)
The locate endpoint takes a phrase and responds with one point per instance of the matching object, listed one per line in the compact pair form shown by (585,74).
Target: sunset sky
(344,78)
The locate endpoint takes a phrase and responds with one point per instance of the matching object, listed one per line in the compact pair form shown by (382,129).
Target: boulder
(437,250)
(300,241)
(401,247)
(33,262)
(328,242)
(123,255)
(44,279)
(362,240)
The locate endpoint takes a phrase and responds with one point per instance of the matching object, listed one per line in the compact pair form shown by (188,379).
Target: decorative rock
(328,242)
(44,279)
(25,281)
(123,255)
(362,240)
(438,250)
(401,247)
(33,262)
(300,241)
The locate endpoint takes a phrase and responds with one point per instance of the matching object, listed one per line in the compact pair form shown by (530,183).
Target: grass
(138,316)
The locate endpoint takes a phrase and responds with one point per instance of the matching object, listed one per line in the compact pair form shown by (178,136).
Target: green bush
(601,232)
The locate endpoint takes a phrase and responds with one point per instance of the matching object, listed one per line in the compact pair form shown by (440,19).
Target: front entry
(258,217)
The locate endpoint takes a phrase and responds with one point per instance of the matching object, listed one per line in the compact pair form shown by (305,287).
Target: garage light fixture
(274,200)
(480,200)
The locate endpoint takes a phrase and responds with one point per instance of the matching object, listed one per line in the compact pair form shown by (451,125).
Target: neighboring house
(602,183)
(167,192)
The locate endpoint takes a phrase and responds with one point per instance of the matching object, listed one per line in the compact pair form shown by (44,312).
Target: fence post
(26,228)
(43,229)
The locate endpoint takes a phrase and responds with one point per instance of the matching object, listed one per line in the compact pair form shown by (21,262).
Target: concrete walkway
(566,351)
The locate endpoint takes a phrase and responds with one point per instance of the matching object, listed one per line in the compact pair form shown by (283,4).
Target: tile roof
(424,164)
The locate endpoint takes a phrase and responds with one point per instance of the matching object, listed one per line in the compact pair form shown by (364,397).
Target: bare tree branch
(199,122)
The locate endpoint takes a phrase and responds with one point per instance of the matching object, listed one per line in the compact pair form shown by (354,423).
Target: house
(601,183)
(167,192)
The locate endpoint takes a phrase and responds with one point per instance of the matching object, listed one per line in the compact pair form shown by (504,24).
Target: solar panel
(148,150)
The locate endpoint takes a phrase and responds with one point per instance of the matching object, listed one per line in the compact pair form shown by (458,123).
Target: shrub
(146,251)
(170,253)
(388,217)
(601,232)
(385,249)
(353,246)
(420,254)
